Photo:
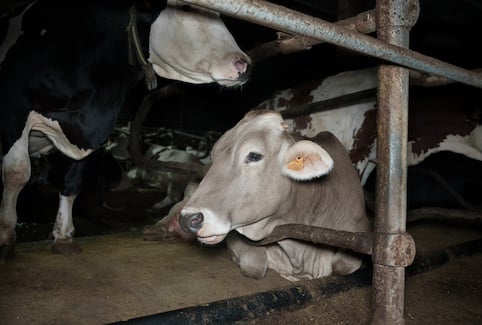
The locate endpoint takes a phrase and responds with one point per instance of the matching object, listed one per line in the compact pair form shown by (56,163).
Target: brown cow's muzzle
(191,222)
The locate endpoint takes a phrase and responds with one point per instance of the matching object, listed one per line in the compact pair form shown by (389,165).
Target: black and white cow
(173,184)
(65,73)
(443,118)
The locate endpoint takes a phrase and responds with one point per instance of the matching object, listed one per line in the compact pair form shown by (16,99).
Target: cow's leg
(296,260)
(63,230)
(345,262)
(167,201)
(174,194)
(252,260)
(16,173)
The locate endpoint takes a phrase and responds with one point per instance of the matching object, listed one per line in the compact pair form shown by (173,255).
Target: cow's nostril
(244,68)
(192,222)
(241,65)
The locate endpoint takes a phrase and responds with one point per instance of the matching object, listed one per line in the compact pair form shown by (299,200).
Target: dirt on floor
(451,294)
(118,276)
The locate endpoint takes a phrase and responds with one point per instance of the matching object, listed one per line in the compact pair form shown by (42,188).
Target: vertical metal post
(390,211)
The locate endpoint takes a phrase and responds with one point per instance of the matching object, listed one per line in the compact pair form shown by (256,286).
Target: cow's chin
(211,240)
(231,83)
(166,71)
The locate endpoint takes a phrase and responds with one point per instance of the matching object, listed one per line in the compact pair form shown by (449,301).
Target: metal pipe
(391,183)
(290,21)
(398,249)
(192,169)
(287,43)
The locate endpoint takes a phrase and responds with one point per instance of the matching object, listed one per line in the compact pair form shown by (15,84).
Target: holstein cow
(440,118)
(65,74)
(173,183)
(262,177)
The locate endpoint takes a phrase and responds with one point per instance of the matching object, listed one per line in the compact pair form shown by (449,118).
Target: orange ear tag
(296,164)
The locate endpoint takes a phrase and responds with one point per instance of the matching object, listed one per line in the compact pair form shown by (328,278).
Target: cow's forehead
(257,126)
(260,117)
(259,122)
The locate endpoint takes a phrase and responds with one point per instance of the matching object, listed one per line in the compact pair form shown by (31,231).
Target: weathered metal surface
(391,182)
(387,249)
(393,249)
(425,80)
(290,21)
(389,286)
(286,43)
(360,242)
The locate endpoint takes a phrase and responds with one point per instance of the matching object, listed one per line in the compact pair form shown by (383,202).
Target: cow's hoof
(7,252)
(66,247)
(159,232)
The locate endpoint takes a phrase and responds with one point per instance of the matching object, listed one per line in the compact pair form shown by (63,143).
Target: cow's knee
(15,173)
(16,167)
(252,260)
(344,263)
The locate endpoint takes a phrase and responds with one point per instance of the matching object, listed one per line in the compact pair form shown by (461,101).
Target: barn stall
(250,300)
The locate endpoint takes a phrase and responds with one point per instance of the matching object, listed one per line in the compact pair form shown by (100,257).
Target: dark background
(448,30)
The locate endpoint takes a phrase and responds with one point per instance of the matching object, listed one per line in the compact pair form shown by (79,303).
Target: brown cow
(262,177)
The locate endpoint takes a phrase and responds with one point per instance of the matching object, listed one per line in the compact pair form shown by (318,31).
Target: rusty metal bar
(290,21)
(393,249)
(138,158)
(358,97)
(469,217)
(391,184)
(286,43)
(360,242)
(421,79)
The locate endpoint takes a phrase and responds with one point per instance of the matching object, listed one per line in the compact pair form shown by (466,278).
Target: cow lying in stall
(66,72)
(262,177)
(441,119)
(177,186)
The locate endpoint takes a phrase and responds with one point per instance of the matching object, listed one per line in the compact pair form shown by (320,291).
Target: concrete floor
(118,277)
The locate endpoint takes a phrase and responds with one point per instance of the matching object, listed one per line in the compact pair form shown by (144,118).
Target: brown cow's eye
(253,156)
(186,8)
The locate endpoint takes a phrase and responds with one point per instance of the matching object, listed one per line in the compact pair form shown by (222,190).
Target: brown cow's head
(254,165)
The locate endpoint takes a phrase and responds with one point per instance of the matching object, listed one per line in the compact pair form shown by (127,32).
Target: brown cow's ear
(306,160)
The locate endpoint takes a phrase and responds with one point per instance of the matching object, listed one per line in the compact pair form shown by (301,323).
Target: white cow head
(254,167)
(201,49)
